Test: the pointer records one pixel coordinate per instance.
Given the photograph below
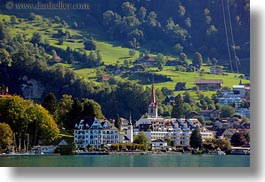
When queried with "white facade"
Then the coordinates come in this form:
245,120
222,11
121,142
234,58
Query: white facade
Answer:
130,133
244,112
206,134
178,130
157,128
230,99
95,133
239,90
159,144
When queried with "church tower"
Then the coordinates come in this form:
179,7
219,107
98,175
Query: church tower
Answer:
153,107
130,130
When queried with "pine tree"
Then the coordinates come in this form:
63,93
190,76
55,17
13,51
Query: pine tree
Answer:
74,114
177,110
118,122
50,103
196,138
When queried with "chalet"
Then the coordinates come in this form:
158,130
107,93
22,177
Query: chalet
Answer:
216,70
105,78
173,63
158,144
148,61
225,123
58,59
221,124
225,133
209,84
209,114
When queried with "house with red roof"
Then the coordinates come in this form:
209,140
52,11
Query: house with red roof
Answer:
148,61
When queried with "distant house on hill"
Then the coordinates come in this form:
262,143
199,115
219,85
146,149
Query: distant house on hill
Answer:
209,114
216,70
209,84
58,59
105,78
149,61
225,133
225,123
137,68
173,63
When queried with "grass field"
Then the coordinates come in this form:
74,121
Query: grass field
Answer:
112,53
229,79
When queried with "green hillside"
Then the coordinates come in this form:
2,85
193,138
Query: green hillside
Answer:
111,52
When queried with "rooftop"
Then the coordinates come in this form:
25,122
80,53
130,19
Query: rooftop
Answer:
208,81
238,86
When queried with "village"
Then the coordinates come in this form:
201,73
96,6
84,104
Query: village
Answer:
158,130
163,134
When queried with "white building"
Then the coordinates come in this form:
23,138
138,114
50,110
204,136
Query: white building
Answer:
95,133
229,98
244,112
158,128
239,90
159,144
206,134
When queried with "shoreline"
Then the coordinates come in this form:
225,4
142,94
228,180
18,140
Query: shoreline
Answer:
120,153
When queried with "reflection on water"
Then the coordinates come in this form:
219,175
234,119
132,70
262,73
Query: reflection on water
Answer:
127,161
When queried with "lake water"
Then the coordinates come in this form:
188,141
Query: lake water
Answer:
155,160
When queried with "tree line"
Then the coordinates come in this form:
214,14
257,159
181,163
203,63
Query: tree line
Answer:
20,117
185,26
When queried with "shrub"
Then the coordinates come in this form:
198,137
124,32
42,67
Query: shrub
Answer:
90,45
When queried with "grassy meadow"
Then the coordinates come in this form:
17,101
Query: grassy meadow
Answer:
112,53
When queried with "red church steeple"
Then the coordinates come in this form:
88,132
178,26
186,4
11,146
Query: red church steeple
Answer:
153,96
153,108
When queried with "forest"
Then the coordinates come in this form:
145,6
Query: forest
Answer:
179,25
186,30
